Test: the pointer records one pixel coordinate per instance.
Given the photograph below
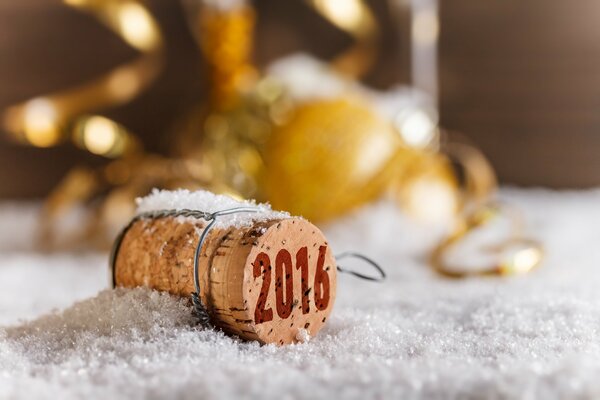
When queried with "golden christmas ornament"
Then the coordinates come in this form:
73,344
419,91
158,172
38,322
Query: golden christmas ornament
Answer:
427,187
319,152
228,134
331,156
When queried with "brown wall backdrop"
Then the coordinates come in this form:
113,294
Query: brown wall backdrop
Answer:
522,79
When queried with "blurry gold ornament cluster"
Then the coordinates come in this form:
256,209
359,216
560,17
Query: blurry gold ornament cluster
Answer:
317,157
53,118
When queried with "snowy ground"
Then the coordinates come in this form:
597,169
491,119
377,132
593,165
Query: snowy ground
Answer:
415,336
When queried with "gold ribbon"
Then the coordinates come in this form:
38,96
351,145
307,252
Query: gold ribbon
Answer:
515,255
356,19
52,118
478,183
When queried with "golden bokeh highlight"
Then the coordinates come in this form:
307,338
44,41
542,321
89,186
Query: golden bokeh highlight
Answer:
137,26
351,15
522,259
417,127
41,123
102,136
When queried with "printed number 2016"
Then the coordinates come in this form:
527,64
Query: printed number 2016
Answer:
284,279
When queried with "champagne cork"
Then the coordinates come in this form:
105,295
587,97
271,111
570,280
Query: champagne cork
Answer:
270,279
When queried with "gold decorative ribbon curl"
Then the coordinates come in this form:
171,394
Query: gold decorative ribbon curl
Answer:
477,178
525,253
50,119
355,18
479,183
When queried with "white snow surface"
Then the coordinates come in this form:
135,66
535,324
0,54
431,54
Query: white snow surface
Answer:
417,335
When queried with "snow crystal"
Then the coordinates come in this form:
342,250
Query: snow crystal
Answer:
203,200
302,336
417,335
306,77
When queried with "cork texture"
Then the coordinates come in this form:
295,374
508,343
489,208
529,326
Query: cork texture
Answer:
273,281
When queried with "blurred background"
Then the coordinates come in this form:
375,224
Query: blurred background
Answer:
518,78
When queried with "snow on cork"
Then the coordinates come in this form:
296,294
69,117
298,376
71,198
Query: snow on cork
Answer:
203,200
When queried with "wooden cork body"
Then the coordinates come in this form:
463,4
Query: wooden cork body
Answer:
273,281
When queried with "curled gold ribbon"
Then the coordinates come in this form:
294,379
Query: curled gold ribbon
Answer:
50,119
478,182
356,19
476,175
524,254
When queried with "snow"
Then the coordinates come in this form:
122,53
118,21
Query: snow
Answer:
306,78
417,335
202,200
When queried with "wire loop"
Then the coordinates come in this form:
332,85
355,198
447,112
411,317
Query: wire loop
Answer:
366,259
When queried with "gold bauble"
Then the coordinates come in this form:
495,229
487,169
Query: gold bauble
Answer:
427,187
330,156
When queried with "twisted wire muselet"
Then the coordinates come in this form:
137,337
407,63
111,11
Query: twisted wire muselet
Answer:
199,308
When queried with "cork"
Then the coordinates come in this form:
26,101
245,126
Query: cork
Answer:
273,281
